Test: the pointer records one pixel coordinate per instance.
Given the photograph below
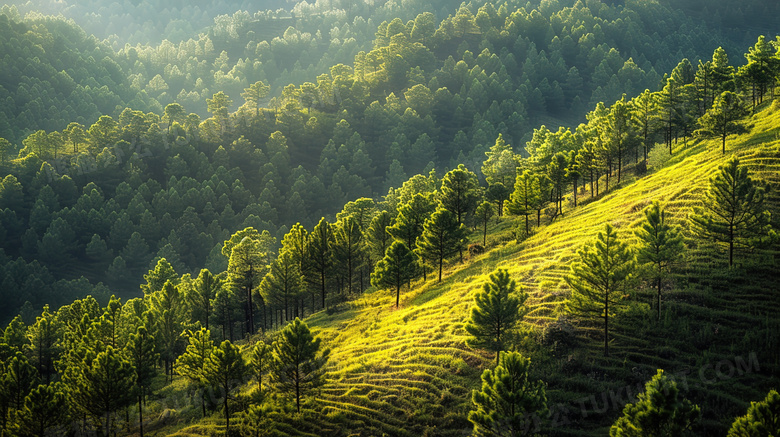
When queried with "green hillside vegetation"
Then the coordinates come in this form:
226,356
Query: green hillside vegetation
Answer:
116,195
408,371
294,280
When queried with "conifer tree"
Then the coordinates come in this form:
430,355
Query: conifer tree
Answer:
643,109
500,165
247,263
733,209
260,362
296,243
498,193
17,381
226,369
660,244
660,411
299,364
320,253
398,266
597,278
377,236
411,218
497,311
44,342
45,411
201,294
103,386
724,118
348,248
143,356
443,236
459,192
524,197
193,363
508,404
168,311
762,418
158,276
483,214
283,282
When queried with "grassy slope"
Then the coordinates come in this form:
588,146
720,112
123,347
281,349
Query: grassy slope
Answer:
407,372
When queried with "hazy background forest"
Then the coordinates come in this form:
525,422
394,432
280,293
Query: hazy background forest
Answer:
175,188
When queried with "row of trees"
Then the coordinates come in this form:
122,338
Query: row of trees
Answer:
80,367
707,101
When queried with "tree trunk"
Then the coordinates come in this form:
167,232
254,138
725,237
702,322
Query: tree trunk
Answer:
298,396
397,294
606,323
141,414
658,284
322,284
227,414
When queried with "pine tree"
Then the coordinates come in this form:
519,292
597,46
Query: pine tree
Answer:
411,218
508,404
168,312
762,418
283,283
459,192
201,294
348,249
158,276
103,386
299,364
497,311
659,411
724,118
193,363
524,197
498,193
143,356
483,214
320,254
443,236
226,369
260,362
17,381
377,236
398,266
643,109
597,278
247,265
660,244
733,209
44,345
45,411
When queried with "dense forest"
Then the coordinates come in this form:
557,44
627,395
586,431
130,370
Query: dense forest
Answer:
255,169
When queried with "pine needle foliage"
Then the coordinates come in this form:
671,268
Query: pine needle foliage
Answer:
660,411
598,276
660,244
733,209
299,364
762,418
508,404
497,311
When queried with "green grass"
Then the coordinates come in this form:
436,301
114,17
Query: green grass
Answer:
408,372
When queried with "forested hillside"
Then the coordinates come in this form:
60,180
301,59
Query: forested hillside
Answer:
171,183
169,212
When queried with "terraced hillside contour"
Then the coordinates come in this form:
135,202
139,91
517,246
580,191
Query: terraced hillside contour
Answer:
408,372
